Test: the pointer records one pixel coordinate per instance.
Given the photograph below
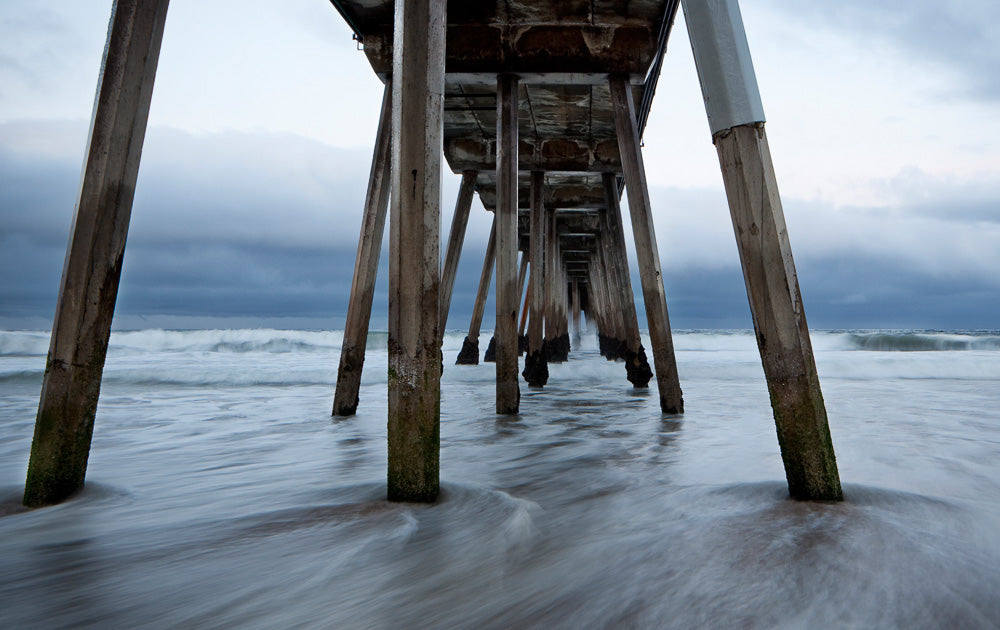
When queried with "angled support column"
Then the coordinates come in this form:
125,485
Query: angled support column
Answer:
490,356
524,311
636,365
671,399
736,118
536,368
414,260
459,222
469,355
575,308
522,275
507,300
89,288
359,308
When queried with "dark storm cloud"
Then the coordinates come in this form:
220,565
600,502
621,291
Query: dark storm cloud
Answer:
227,225
927,261
258,226
964,35
841,292
221,224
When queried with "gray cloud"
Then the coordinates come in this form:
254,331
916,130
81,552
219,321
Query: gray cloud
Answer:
963,35
232,225
262,228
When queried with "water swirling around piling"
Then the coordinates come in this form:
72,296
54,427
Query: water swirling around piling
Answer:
211,502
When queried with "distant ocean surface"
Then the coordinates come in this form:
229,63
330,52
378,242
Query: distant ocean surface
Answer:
221,494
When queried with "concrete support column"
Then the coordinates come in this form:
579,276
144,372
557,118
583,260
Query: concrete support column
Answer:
536,369
507,300
89,287
359,308
736,118
636,365
671,399
459,222
414,264
469,355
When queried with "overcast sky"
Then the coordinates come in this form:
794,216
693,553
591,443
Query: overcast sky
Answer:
883,120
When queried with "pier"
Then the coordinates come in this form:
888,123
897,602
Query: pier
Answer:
540,106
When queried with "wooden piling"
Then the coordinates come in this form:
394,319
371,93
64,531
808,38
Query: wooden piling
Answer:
595,300
507,300
359,307
736,119
636,365
522,274
563,304
613,334
92,268
469,355
414,266
524,312
552,287
459,222
575,308
778,314
536,369
563,310
671,398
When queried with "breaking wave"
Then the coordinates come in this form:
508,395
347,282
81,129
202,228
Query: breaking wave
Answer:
923,341
272,341
19,343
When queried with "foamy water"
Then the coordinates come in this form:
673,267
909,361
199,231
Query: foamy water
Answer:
221,493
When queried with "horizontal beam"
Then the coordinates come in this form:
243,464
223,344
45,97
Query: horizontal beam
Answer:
487,49
556,198
554,77
556,155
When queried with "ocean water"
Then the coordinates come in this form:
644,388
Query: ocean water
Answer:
221,494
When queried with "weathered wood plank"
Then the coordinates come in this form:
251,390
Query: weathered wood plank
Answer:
359,307
92,268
